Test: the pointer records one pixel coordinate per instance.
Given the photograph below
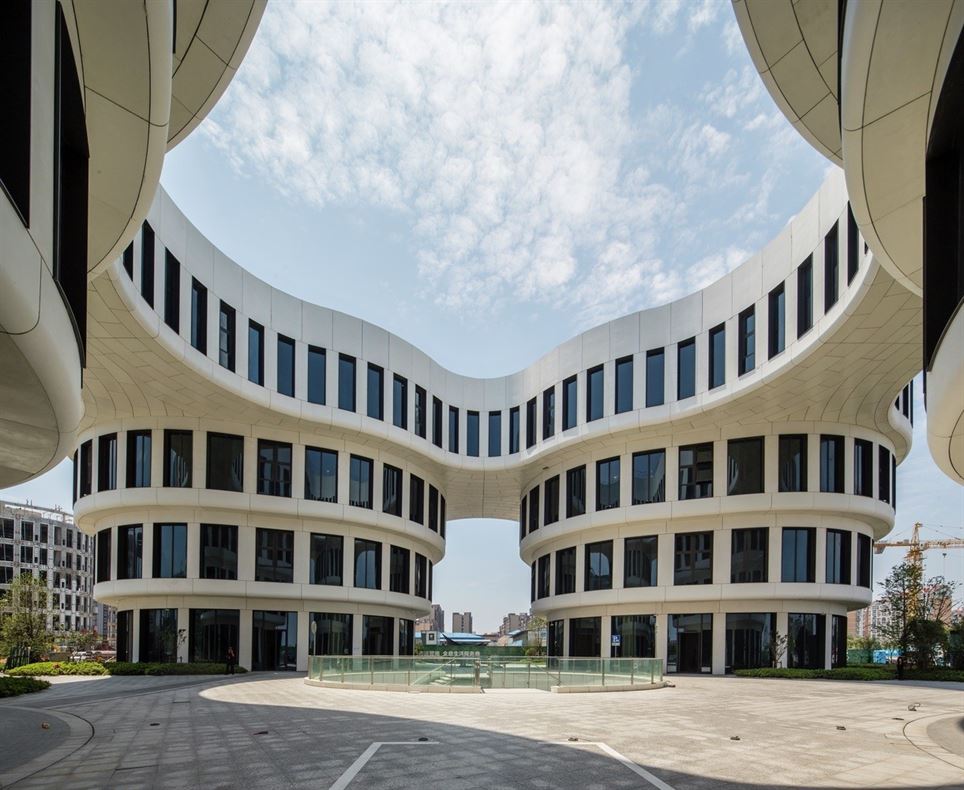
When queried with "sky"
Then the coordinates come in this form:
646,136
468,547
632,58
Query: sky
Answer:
488,180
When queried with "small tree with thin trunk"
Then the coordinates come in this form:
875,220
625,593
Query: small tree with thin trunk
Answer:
27,604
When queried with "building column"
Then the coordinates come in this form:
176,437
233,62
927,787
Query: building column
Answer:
356,634
782,629
660,637
606,631
245,634
183,634
304,641
719,643
135,635
827,642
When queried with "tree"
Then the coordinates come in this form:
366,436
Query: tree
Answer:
777,647
928,641
27,603
900,598
918,613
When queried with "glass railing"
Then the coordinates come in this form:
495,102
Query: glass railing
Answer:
488,672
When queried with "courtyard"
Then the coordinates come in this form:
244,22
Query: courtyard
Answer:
271,730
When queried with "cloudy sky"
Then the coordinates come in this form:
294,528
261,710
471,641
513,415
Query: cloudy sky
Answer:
487,180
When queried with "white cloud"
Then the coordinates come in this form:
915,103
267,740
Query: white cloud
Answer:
703,13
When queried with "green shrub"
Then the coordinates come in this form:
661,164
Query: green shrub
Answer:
146,668
57,668
11,687
862,672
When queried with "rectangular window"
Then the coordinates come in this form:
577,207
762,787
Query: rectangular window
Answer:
219,551
103,555
421,411
147,264
170,551
832,464
585,637
607,484
569,403
853,259
863,467
693,558
130,551
531,423
594,393
125,635
551,507
548,412
749,555
286,366
436,421
542,576
327,559
421,576
565,571
806,634
399,560
495,434
640,562
696,471
400,402
391,490
472,434
317,374
15,80
107,462
799,554
406,637
624,385
777,316
178,458
226,336
158,637
256,353
321,475
129,260
599,566
686,369
749,639
274,560
453,429
360,481
805,296
86,467
838,556
744,466
514,430
172,291
576,491
346,382
655,377
649,477
334,634
433,508
534,509
368,564
138,459
831,274
864,560
746,337
792,471
883,474
376,392
199,316
274,468
717,347
416,499
211,632
522,519
225,462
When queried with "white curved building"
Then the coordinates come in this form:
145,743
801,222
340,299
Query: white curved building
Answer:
690,480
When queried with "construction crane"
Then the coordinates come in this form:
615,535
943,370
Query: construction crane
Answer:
916,546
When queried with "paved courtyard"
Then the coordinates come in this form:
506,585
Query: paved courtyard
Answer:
272,731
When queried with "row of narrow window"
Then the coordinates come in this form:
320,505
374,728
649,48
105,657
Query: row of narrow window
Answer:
744,475
693,561
225,472
274,558
595,389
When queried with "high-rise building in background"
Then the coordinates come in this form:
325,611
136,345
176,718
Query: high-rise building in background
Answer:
462,622
514,622
435,621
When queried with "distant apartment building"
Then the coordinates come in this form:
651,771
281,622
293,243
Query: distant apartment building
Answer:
46,544
431,622
514,622
462,622
105,621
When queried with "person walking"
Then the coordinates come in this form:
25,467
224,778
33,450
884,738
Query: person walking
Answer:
231,661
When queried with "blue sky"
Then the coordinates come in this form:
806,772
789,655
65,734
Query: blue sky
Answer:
487,180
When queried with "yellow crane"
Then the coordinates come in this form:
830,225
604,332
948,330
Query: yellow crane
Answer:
916,547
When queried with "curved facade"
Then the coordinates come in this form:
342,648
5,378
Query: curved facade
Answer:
721,463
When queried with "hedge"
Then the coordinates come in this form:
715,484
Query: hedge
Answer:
12,687
57,668
882,672
146,668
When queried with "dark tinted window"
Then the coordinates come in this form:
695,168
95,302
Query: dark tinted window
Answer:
436,422
86,467
400,402
534,509
565,571
286,366
170,551
103,555
416,499
717,347
686,369
696,471
514,430
530,423
749,557
805,296
548,412
838,556
863,467
225,462
334,634
569,403
199,316
433,508
178,458
640,562
172,291
421,411
317,375
607,484
655,377
792,471
746,345
864,560
453,429
744,466
274,468
346,382
226,336
624,385
799,554
321,474
376,392
693,558
368,564
274,559
832,464
883,475
853,259
777,329
495,434
130,548
391,490
649,477
551,507
107,462
576,491
422,577
147,264
594,393
219,551
15,79
255,352
542,576
599,565
472,434
399,560
831,273
360,480
138,459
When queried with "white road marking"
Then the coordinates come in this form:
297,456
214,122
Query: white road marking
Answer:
655,781
345,779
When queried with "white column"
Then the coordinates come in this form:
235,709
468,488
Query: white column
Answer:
183,632
782,630
606,631
662,632
719,643
245,634
304,641
356,634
